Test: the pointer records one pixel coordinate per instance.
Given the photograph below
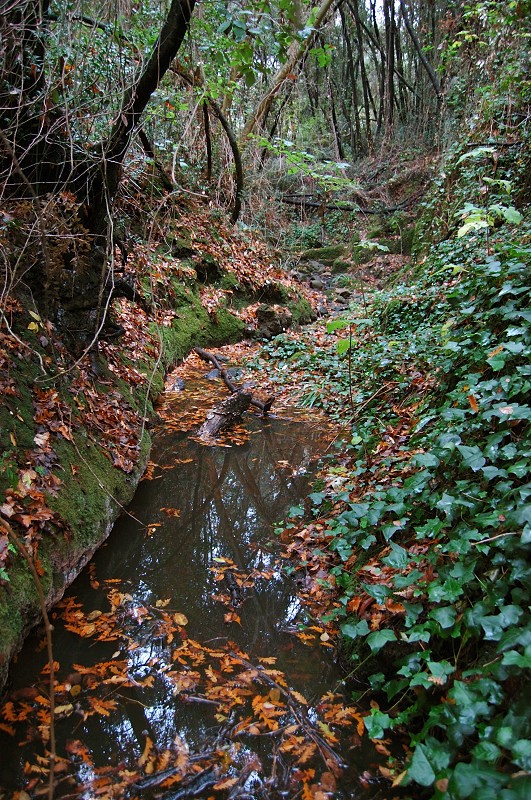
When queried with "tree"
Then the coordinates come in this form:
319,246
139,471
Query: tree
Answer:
41,159
285,72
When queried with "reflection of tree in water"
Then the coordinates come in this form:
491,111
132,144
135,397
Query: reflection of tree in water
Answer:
229,499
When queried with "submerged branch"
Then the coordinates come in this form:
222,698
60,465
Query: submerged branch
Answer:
206,356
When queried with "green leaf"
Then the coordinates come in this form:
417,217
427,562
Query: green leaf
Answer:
342,346
472,456
521,751
512,658
508,213
317,498
378,639
296,511
472,225
420,769
353,630
377,723
425,460
337,325
477,152
445,616
378,591
487,751
397,558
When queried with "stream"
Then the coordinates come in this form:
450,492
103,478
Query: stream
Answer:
187,666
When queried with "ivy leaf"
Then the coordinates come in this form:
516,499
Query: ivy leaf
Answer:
352,631
317,498
378,639
472,456
296,511
378,591
425,460
512,658
420,769
445,616
397,558
377,723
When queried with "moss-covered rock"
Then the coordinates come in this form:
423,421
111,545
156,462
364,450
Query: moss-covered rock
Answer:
362,254
341,266
325,255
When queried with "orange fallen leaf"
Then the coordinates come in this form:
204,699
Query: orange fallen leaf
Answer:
473,403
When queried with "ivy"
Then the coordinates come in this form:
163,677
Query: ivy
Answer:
438,527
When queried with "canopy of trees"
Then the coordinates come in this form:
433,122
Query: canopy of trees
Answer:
84,83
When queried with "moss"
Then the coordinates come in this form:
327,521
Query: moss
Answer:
230,282
408,240
92,493
181,246
301,311
340,266
376,230
326,255
207,268
194,326
273,293
362,255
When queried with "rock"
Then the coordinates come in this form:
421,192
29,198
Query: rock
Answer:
343,293
177,386
317,283
316,266
272,321
325,255
340,266
207,269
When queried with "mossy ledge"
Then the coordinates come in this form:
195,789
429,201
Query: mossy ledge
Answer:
92,491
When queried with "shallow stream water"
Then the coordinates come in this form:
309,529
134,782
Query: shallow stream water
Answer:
180,646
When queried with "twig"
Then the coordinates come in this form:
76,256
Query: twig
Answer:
304,723
498,536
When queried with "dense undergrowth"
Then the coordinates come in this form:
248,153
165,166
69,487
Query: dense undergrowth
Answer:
423,518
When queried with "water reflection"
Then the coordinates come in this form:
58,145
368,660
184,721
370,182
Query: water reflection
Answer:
202,508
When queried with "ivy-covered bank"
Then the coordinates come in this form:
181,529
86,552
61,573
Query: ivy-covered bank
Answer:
422,518
74,431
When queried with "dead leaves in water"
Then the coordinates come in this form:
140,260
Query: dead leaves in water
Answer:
244,697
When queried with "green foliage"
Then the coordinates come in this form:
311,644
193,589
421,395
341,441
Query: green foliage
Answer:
450,529
327,176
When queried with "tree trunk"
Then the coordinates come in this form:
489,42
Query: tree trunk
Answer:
418,48
225,415
104,181
354,7
233,144
355,141
93,288
295,53
25,120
